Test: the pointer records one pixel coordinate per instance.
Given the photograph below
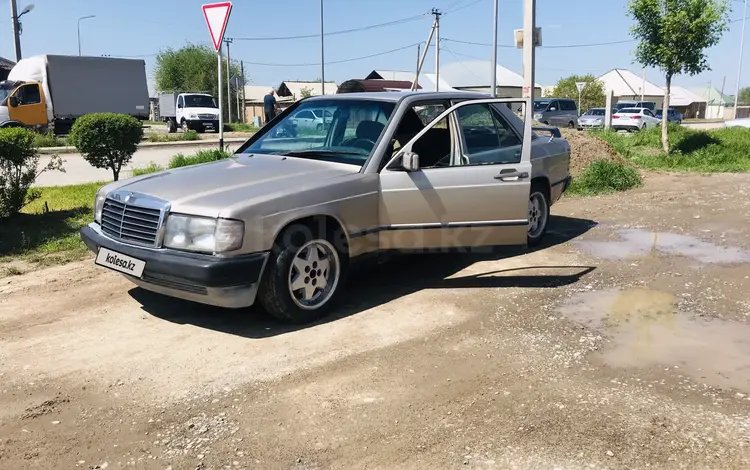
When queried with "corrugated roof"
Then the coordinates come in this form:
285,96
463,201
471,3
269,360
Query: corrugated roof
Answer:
625,83
478,73
6,64
374,85
426,80
292,88
680,96
712,96
255,93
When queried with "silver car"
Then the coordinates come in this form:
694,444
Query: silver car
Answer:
592,119
283,219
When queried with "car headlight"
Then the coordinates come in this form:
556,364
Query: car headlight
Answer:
99,204
537,116
203,234
193,116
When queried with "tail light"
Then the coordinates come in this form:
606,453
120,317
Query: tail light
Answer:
615,117
635,117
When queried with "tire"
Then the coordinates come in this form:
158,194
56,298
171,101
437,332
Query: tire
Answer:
171,126
538,213
571,125
293,263
185,126
643,127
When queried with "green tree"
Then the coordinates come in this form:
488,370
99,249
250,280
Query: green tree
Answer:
673,36
107,140
193,68
744,97
306,92
592,95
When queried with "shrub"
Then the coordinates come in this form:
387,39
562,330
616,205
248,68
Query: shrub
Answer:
606,176
107,140
150,168
189,135
19,169
202,156
49,140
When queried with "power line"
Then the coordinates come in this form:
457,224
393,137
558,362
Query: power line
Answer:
557,46
341,61
458,8
334,33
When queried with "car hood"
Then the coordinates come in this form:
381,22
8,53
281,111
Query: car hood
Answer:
242,180
202,110
590,118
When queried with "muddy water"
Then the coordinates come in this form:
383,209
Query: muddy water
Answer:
646,329
638,242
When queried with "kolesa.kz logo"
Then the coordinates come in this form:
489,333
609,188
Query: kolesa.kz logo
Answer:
115,261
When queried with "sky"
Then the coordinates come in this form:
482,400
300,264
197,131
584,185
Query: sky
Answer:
140,29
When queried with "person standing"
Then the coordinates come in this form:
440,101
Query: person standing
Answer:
269,106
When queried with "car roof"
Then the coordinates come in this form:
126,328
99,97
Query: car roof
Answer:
396,96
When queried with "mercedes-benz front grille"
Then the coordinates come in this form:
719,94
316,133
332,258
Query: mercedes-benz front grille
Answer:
131,222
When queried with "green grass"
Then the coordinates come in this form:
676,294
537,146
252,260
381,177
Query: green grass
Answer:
46,231
184,136
240,127
692,150
150,168
605,177
201,156
49,140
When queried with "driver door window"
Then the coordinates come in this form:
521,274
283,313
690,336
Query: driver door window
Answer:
29,94
487,137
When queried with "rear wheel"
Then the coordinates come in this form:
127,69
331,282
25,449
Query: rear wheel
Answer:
538,213
171,126
643,127
571,125
304,275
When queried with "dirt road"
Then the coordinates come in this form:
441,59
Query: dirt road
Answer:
621,344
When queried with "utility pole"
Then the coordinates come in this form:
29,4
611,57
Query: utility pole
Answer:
16,28
493,87
228,41
322,55
739,66
529,63
415,85
242,73
436,13
643,86
416,77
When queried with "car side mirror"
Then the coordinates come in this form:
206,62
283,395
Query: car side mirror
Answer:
179,105
13,101
410,161
553,108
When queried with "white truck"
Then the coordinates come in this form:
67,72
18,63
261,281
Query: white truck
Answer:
196,111
49,92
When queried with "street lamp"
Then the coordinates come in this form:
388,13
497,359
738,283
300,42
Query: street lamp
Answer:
14,16
739,66
79,30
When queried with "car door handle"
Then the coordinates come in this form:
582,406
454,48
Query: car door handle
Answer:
511,175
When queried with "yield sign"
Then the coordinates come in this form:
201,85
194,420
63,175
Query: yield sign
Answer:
580,86
217,16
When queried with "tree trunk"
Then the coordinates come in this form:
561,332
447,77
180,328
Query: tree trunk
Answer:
665,113
116,173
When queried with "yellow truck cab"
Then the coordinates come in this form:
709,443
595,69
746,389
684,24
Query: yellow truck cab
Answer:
52,91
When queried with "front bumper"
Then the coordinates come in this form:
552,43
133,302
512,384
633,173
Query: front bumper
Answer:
590,125
223,282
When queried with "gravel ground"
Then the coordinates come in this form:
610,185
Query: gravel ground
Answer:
620,344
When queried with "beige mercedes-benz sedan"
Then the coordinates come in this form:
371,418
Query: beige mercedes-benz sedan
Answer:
284,217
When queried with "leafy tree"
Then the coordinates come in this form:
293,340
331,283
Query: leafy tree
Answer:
744,97
193,68
19,169
592,95
673,36
107,140
306,92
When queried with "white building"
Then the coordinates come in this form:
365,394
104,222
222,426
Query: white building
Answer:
426,80
295,89
477,76
628,86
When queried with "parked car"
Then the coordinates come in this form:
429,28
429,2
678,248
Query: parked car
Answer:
592,119
560,112
672,115
650,105
283,219
741,122
634,119
311,119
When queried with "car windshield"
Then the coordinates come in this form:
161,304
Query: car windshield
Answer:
200,101
630,111
619,106
595,112
541,105
348,137
659,112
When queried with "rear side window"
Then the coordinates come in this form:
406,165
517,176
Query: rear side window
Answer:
568,105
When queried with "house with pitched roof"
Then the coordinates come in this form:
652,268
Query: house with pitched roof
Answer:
628,86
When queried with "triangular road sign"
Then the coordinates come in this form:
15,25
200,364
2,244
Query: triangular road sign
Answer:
217,16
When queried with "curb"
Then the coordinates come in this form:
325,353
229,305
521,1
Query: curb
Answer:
181,143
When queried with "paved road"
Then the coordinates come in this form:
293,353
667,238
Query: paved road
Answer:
78,170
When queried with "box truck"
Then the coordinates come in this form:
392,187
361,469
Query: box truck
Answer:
49,92
196,111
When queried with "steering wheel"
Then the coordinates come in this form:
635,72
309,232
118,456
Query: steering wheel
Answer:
364,144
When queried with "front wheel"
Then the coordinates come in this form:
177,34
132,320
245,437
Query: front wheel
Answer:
185,126
538,214
304,275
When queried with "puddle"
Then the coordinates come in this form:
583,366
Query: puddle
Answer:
638,242
647,330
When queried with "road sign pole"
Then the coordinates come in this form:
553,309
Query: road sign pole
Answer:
221,101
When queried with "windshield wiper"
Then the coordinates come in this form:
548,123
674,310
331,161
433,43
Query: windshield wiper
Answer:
311,152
